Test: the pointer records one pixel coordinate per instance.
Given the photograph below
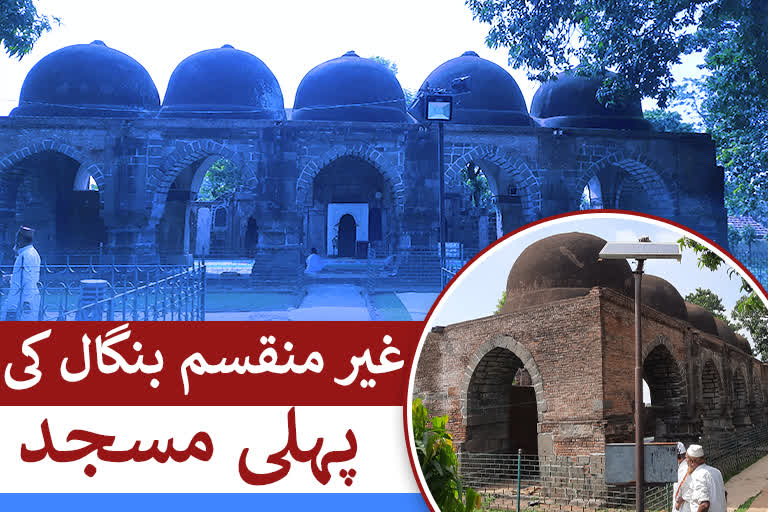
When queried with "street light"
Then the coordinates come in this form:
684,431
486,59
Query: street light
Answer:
641,250
439,108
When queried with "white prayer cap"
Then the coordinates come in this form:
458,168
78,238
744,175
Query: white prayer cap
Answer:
695,450
680,448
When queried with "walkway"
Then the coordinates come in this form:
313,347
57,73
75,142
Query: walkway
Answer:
748,483
338,302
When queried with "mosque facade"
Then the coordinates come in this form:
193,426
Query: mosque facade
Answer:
95,161
551,373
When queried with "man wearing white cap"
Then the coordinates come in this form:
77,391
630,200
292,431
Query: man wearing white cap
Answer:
705,491
23,294
682,480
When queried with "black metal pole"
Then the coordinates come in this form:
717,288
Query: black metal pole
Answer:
441,197
639,449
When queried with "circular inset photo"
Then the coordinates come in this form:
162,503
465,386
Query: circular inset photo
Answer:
528,378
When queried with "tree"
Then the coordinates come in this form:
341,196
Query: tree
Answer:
668,121
753,316
21,26
410,94
712,302
638,39
477,183
749,312
500,303
438,462
641,40
220,181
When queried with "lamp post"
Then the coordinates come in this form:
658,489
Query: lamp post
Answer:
439,108
641,250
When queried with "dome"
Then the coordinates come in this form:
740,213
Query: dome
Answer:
87,80
725,332
350,88
223,82
563,266
493,96
662,296
743,344
569,102
701,319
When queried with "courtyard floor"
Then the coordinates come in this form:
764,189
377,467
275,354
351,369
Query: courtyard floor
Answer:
748,483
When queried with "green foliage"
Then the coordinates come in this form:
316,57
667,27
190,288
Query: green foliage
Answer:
639,39
477,183
750,314
410,94
667,121
500,304
220,181
21,26
712,302
438,462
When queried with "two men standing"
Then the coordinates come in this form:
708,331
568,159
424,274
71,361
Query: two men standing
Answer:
23,294
701,488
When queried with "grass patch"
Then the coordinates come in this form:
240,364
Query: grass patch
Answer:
389,307
243,301
745,506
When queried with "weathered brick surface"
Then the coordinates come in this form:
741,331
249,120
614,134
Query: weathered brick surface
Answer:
580,357
532,173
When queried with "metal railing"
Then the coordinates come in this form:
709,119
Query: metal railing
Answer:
732,452
551,483
61,285
180,296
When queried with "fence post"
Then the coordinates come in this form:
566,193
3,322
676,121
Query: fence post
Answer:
519,454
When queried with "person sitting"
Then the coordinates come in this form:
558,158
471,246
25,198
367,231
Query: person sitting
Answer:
315,262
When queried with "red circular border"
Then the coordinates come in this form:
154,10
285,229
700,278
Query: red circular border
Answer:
407,402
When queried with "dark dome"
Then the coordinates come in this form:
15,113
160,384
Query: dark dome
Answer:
743,344
701,319
350,88
725,332
223,82
87,80
493,97
569,102
662,296
563,266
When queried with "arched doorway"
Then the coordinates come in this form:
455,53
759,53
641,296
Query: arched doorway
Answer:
501,406
711,392
347,236
251,235
667,389
350,186
740,400
47,192
195,217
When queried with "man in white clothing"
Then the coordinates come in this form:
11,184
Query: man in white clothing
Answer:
682,479
23,294
314,262
705,491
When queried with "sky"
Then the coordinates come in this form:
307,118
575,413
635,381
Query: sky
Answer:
290,36
478,289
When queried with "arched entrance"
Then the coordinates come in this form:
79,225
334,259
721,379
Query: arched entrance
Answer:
740,400
501,410
251,235
353,189
347,236
711,392
195,216
668,396
47,191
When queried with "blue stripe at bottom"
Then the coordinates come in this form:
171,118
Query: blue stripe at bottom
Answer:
80,502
